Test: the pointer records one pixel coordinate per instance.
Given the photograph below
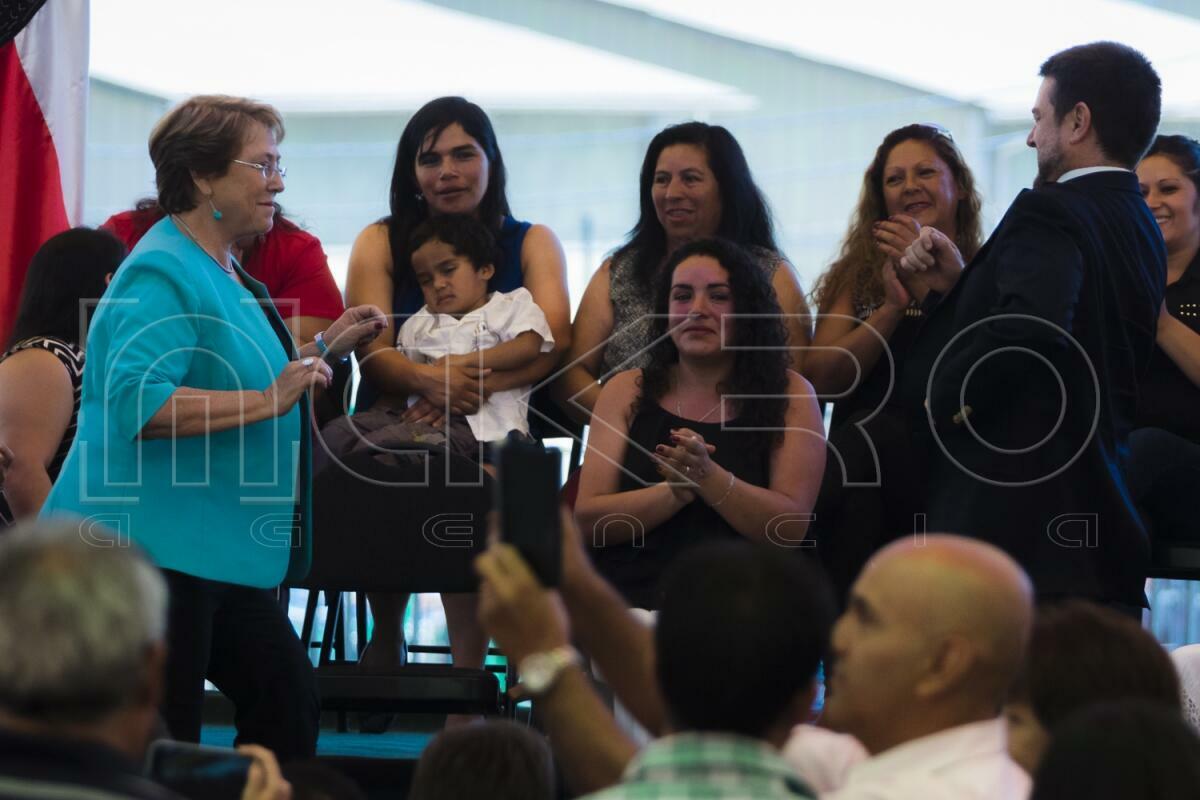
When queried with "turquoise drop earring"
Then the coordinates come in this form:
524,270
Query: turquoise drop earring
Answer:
216,214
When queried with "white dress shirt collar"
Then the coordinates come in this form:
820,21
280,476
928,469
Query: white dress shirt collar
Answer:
1079,173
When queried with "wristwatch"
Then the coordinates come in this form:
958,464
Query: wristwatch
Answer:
539,671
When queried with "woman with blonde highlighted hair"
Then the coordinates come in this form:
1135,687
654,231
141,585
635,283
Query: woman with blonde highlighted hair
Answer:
918,177
870,313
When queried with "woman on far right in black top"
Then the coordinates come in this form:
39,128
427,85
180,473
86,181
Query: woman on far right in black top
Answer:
1164,464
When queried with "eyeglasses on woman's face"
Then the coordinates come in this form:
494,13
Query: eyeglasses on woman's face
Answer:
267,170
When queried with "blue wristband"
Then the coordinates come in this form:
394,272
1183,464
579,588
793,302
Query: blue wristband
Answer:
324,350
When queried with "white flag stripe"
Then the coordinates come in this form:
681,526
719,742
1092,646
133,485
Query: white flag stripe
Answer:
53,49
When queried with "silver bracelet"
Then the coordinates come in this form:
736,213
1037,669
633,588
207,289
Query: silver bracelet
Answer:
728,489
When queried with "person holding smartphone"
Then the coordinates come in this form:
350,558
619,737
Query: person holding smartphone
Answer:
79,699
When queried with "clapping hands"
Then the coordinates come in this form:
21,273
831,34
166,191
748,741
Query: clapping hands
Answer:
685,462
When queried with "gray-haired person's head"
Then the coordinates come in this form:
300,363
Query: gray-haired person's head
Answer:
79,614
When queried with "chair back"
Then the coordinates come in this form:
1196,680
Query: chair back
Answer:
408,524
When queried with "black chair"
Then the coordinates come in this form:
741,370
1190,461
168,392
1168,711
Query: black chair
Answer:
1175,559
355,549
548,421
397,524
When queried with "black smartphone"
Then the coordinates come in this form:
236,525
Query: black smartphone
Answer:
527,499
197,771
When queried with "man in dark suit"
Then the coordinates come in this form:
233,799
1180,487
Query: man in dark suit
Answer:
1025,373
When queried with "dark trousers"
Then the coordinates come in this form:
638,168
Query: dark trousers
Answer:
1164,479
239,638
853,522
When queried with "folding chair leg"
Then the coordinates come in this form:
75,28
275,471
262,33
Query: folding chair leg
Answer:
310,617
339,632
360,617
334,610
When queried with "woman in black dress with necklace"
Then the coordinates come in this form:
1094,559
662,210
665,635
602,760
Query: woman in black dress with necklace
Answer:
714,438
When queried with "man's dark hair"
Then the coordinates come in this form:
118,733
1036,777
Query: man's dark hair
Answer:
495,760
1120,750
741,630
1120,87
467,236
1080,654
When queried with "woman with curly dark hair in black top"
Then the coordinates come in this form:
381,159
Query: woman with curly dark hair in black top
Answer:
715,438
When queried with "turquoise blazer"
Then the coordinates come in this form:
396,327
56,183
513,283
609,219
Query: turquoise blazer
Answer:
230,506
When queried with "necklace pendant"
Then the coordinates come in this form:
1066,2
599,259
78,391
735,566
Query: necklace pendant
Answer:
188,232
702,418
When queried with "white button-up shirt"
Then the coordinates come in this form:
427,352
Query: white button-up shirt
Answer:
427,336
969,762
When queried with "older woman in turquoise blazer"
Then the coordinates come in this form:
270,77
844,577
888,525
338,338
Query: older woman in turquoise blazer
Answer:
193,436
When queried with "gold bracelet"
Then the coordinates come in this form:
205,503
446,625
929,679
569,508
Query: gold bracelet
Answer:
728,489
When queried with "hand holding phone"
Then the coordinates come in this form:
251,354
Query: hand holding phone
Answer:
198,771
527,500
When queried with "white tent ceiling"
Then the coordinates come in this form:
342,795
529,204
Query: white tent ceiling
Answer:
375,55
978,51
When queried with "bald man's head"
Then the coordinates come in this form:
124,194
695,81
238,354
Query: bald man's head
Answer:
966,588
934,633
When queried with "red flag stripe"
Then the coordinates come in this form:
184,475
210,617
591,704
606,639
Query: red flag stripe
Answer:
43,116
31,199
53,49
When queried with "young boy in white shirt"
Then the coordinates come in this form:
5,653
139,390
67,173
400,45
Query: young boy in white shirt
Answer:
462,322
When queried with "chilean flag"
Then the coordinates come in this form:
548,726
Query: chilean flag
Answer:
43,116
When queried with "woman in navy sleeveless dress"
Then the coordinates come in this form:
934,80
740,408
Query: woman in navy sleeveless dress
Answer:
447,162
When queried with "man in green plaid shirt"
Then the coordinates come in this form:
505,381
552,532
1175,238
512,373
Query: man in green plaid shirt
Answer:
707,765
740,633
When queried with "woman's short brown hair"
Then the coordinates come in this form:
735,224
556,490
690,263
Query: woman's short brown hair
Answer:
202,136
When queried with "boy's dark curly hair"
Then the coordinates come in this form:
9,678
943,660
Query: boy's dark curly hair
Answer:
467,236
